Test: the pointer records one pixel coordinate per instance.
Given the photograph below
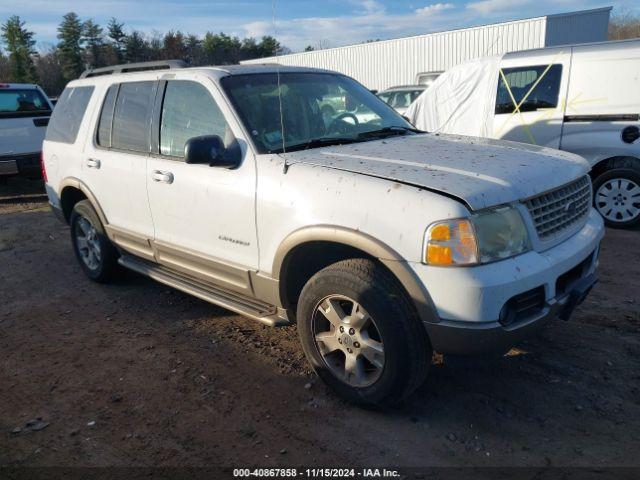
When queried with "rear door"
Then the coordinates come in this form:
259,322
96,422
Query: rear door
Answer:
204,216
531,97
115,163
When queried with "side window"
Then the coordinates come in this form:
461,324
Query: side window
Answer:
68,114
531,87
189,111
131,117
106,117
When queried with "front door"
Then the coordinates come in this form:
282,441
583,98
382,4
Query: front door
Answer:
530,100
204,216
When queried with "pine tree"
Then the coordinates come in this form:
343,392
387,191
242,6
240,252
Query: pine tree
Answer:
136,48
94,40
19,44
70,46
115,31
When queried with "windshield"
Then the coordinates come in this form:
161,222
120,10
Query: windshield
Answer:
317,109
23,102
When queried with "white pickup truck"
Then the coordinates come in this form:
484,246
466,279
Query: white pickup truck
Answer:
381,243
24,115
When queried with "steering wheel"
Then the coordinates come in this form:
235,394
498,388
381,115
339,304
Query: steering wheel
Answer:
335,127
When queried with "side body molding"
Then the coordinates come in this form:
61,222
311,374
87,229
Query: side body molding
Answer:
366,243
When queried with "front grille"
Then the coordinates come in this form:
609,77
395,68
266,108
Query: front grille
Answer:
555,212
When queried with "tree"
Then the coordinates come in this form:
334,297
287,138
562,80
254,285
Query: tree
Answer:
268,47
5,70
49,69
193,50
136,48
173,46
624,25
309,48
115,32
94,41
221,49
70,34
19,43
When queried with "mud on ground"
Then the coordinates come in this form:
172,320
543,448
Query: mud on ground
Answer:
137,374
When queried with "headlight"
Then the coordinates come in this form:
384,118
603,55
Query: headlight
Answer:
501,234
452,242
484,237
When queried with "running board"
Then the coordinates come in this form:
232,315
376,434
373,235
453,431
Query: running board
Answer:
234,301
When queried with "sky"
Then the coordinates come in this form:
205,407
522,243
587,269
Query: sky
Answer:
296,23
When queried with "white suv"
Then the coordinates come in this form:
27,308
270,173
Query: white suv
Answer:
24,115
380,242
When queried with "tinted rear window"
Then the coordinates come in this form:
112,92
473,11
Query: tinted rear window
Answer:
132,114
23,103
68,114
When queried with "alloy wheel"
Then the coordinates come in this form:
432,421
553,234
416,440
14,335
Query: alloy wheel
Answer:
348,341
88,243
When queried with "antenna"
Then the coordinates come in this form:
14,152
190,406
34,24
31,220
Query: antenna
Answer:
285,166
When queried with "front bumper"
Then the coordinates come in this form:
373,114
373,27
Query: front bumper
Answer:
467,338
470,303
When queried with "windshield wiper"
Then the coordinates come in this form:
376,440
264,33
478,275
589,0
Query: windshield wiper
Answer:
388,131
316,143
361,137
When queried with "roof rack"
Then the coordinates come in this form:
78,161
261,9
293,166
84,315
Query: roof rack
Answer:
134,67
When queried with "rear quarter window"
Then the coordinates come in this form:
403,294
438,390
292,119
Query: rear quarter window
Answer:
68,114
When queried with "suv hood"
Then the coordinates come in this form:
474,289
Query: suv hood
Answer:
481,172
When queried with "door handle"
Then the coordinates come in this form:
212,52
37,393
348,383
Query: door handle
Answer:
93,163
162,177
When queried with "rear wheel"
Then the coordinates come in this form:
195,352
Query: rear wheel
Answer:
361,334
617,197
95,252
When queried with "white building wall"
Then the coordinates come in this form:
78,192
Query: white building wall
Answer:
384,64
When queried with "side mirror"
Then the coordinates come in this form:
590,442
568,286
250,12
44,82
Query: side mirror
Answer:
209,149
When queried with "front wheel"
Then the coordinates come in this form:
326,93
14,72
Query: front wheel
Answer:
361,334
617,197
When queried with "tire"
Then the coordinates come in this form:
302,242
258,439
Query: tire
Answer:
389,320
95,252
616,196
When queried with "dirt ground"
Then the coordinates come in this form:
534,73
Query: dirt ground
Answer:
138,374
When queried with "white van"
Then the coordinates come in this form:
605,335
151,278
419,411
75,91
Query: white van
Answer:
583,98
24,116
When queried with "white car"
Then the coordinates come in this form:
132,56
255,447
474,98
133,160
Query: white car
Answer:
400,98
381,243
583,99
24,115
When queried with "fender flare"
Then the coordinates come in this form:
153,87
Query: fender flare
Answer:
391,259
80,185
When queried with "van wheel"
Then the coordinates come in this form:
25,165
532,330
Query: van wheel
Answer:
95,252
617,197
361,334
